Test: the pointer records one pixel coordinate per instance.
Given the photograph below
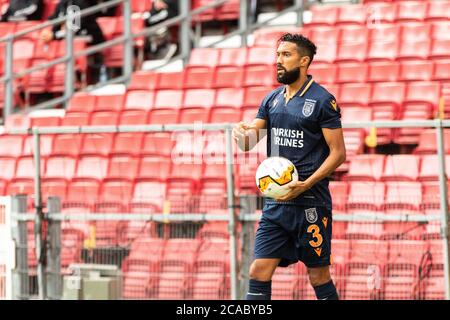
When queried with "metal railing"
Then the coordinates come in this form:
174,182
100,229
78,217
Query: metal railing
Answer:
438,124
127,39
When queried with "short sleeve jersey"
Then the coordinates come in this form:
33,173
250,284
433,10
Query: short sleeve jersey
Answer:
294,131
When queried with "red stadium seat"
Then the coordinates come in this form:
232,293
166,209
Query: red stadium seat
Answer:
365,196
97,143
352,72
229,97
54,188
171,80
117,191
7,168
139,100
440,49
128,143
204,57
324,15
369,251
228,77
387,33
168,99
428,144
414,50
382,51
440,31
164,116
20,186
186,170
67,144
133,117
104,118
268,37
416,70
424,92
388,93
62,167
199,78
84,191
154,167
353,14
11,145
261,56
260,75
414,32
368,167
225,115
325,34
437,11
235,57
327,53
199,98
364,230
144,80
355,94
255,95
352,52
109,102
380,12
75,118
441,70
411,11
401,167
194,114
341,250
91,166
25,167
82,101
339,193
123,166
149,192
323,72
406,251
160,143
383,71
404,197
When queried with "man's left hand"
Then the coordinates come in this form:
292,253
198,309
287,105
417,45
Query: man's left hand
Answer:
296,189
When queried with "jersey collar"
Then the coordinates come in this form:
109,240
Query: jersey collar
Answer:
309,81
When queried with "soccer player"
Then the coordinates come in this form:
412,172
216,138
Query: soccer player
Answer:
302,121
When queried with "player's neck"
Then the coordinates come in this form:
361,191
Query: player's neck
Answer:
293,88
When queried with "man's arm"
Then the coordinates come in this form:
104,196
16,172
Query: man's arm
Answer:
247,135
335,141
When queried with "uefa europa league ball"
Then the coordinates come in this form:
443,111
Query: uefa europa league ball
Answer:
273,174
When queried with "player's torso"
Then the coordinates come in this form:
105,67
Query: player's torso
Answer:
294,132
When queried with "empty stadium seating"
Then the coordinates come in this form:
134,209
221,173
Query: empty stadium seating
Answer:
397,70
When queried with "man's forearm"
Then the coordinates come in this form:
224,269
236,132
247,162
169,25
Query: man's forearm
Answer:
334,160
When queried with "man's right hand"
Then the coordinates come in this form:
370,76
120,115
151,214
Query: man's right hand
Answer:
241,132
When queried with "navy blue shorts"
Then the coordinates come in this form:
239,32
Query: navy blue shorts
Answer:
295,233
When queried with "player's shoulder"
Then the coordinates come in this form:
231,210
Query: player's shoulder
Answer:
272,94
321,93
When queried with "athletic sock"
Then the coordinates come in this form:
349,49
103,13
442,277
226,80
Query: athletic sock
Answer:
259,290
326,291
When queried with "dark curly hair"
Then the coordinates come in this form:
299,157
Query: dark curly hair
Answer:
304,46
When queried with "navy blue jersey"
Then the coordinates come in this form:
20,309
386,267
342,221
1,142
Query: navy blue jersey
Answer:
294,131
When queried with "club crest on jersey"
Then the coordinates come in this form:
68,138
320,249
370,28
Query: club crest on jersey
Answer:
311,215
308,107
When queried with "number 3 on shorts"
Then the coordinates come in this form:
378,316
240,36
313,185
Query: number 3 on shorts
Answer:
314,229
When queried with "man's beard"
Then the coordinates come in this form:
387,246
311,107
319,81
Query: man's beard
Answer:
288,77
